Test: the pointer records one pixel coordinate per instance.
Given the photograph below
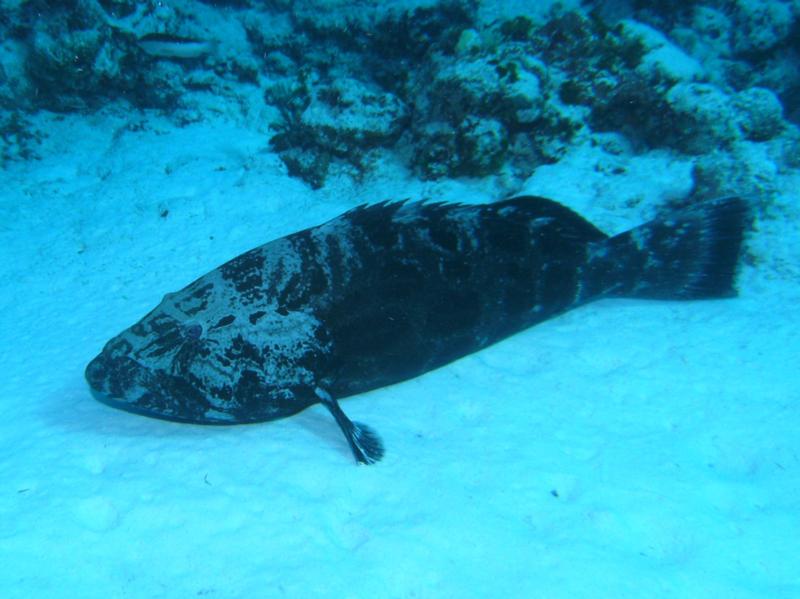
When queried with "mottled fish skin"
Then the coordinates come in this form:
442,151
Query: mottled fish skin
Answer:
389,291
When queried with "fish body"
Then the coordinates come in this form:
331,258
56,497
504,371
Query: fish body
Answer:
386,292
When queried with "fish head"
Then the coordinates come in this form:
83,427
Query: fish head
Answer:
201,356
159,366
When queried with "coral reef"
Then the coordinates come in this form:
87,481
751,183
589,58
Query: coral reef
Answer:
441,87
743,44
343,118
83,54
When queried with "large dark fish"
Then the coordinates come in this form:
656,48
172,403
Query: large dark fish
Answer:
386,292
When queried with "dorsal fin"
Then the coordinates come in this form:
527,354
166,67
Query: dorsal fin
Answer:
529,208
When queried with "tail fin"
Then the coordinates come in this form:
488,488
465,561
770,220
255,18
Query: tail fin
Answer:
691,254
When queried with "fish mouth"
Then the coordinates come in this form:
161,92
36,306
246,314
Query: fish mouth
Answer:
98,376
109,379
95,375
124,384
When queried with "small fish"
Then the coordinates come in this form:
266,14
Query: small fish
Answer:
165,45
386,292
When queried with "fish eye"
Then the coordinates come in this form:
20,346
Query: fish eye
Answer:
193,331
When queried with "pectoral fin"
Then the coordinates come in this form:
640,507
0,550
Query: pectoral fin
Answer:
365,443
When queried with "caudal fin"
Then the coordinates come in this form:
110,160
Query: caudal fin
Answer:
690,254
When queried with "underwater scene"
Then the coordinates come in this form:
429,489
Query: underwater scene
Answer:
407,299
